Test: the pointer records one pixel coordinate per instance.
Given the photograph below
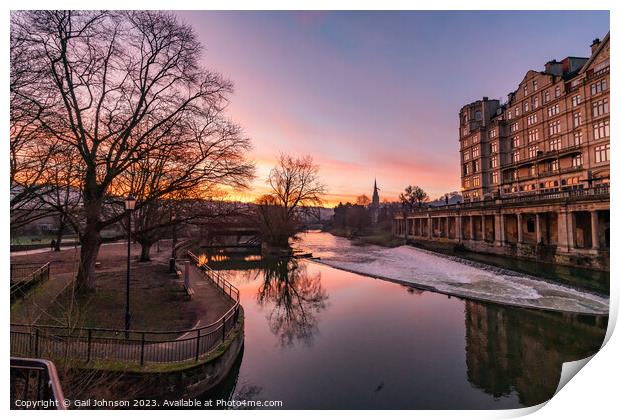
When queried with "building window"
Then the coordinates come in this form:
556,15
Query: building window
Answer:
474,166
466,183
535,85
601,129
577,138
554,127
475,151
553,110
577,160
598,87
509,114
557,92
517,111
576,119
466,155
465,169
514,142
532,135
532,170
516,156
495,177
531,223
600,108
493,161
535,102
514,127
476,181
493,132
553,165
478,115
526,106
576,100
555,144
532,119
525,90
601,153
494,147
546,96
531,151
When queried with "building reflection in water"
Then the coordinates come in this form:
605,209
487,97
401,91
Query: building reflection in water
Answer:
517,350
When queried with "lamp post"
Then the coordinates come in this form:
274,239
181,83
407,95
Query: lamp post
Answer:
130,205
172,264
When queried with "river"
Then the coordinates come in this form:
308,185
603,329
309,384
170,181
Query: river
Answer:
319,337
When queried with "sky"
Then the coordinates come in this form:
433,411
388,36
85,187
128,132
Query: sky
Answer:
376,94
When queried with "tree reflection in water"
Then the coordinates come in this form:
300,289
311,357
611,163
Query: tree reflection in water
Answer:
296,296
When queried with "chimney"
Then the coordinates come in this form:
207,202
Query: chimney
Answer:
594,45
553,67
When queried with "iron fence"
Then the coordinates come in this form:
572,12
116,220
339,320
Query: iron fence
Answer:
25,276
216,277
133,346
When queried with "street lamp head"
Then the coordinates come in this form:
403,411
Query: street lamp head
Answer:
130,202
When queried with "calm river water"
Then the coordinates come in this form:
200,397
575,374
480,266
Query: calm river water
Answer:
318,337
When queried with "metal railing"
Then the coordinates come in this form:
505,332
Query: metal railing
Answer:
133,346
35,385
220,281
25,276
559,193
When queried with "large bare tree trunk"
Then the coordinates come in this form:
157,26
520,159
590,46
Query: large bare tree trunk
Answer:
145,251
59,233
90,241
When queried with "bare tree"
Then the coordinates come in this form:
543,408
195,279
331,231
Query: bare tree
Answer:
121,88
413,196
295,190
29,147
362,200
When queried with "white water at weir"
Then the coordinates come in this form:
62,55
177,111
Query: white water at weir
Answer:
450,275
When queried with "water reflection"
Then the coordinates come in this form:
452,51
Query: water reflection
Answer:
294,298
515,350
385,345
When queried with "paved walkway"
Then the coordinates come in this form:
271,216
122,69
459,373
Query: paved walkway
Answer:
207,296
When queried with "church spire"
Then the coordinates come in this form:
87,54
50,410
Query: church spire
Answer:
375,194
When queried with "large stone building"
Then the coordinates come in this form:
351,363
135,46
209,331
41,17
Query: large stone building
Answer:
534,170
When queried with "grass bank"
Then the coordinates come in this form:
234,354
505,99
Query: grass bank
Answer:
369,236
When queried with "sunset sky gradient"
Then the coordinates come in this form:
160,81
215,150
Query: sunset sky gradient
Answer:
376,94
